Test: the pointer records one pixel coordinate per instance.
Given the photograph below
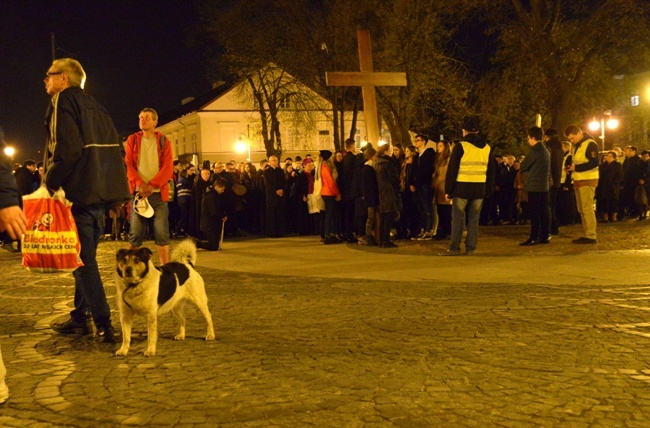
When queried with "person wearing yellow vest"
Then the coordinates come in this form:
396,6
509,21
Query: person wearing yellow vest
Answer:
584,169
469,179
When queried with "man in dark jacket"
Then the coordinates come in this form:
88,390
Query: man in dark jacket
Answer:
537,164
275,182
347,188
84,156
421,185
12,222
26,178
469,179
554,147
633,175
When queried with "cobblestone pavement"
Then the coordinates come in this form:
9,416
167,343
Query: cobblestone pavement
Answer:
330,344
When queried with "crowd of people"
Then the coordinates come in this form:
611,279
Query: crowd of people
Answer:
427,190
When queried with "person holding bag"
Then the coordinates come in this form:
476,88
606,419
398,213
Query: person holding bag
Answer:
84,156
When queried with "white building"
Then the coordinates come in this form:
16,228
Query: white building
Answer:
212,125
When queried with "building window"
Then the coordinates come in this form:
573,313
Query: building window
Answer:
634,100
285,102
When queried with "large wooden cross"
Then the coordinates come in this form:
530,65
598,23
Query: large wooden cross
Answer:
368,80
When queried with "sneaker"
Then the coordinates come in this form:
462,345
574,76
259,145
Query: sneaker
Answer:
584,241
418,237
450,253
425,236
106,333
72,327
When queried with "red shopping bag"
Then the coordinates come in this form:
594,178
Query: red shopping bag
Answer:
51,242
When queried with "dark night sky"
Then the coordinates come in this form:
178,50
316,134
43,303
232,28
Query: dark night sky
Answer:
134,53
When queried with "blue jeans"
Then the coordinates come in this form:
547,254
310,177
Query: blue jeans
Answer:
89,289
332,216
160,223
462,209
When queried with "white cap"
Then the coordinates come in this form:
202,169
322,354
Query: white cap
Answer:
142,207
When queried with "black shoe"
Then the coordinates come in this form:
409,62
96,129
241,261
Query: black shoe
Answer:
72,327
545,241
584,241
106,333
529,242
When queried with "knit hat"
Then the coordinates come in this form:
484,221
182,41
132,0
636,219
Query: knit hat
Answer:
307,161
325,154
470,124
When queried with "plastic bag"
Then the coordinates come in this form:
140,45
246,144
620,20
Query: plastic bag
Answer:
51,242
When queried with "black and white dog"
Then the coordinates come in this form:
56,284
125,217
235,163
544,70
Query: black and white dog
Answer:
143,289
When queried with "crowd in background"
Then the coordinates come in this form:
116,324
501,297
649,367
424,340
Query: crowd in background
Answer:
401,188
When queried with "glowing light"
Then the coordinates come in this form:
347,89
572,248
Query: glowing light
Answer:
381,143
10,151
241,147
594,125
612,123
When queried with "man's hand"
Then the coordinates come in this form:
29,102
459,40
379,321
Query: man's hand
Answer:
145,190
279,192
13,221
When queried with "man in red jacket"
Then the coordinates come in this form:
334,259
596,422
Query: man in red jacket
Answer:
149,166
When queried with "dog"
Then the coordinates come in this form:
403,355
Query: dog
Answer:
143,289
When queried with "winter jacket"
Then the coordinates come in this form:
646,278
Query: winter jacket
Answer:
390,200
369,185
423,169
275,180
538,165
330,188
469,190
84,154
557,160
8,191
165,164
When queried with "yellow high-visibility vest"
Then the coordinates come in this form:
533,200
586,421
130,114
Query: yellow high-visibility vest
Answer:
473,164
580,157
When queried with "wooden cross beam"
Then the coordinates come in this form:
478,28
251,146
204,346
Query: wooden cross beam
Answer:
368,80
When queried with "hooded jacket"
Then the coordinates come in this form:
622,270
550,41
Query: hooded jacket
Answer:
469,190
423,171
84,154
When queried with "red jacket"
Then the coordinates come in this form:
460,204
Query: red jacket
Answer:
329,184
165,164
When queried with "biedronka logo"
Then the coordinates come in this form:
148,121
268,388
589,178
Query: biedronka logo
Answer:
37,241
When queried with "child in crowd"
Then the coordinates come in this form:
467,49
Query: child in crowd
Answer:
213,215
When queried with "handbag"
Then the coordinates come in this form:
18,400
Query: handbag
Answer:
640,195
51,242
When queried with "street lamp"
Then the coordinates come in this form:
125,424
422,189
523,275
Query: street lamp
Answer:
611,123
243,145
10,152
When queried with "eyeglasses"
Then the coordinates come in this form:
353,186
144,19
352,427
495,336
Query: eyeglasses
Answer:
52,73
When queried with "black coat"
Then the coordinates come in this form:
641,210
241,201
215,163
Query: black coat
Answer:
424,167
84,153
390,200
610,176
274,180
8,191
213,209
369,186
346,177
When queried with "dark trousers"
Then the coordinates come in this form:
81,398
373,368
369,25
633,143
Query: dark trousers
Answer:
553,197
214,238
332,216
89,289
540,215
275,217
347,218
444,219
385,224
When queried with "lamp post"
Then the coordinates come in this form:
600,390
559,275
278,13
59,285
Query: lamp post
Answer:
611,123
